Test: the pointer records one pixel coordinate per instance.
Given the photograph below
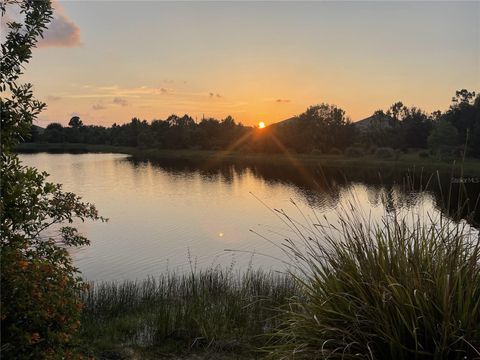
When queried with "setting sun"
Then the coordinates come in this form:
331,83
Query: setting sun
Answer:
261,125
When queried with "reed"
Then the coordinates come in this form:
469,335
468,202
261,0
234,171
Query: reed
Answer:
218,309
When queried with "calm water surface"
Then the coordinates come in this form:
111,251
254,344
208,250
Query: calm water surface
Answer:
180,216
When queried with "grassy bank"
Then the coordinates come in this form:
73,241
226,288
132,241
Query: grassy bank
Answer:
215,311
405,161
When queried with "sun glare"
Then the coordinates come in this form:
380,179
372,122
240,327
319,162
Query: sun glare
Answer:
261,125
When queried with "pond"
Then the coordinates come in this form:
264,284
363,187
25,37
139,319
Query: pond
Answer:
180,216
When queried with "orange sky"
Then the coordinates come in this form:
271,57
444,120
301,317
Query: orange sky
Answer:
255,61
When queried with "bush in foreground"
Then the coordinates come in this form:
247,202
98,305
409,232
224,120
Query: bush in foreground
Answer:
394,290
39,286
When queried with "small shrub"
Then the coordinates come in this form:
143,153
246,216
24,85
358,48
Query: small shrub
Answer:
423,154
41,303
353,151
385,153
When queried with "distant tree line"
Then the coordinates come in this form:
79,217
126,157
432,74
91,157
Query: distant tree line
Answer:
172,133
444,133
321,128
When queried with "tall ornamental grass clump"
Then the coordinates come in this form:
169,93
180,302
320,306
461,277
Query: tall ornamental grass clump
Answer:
404,288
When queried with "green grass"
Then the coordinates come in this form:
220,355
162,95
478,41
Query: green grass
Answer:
405,161
215,310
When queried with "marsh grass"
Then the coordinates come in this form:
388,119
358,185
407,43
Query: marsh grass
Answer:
219,310
406,286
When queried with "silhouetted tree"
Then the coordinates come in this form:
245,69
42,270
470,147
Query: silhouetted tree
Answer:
443,137
54,133
396,111
75,122
415,128
321,126
464,114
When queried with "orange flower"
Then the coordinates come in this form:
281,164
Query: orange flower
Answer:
23,264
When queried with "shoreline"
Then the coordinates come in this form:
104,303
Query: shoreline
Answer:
406,161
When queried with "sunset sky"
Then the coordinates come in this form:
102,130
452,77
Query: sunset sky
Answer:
109,61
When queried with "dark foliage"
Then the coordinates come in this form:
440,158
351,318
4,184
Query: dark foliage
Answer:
40,288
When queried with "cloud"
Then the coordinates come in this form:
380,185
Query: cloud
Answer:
215,95
282,100
117,91
120,101
53,98
172,81
62,31
98,106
